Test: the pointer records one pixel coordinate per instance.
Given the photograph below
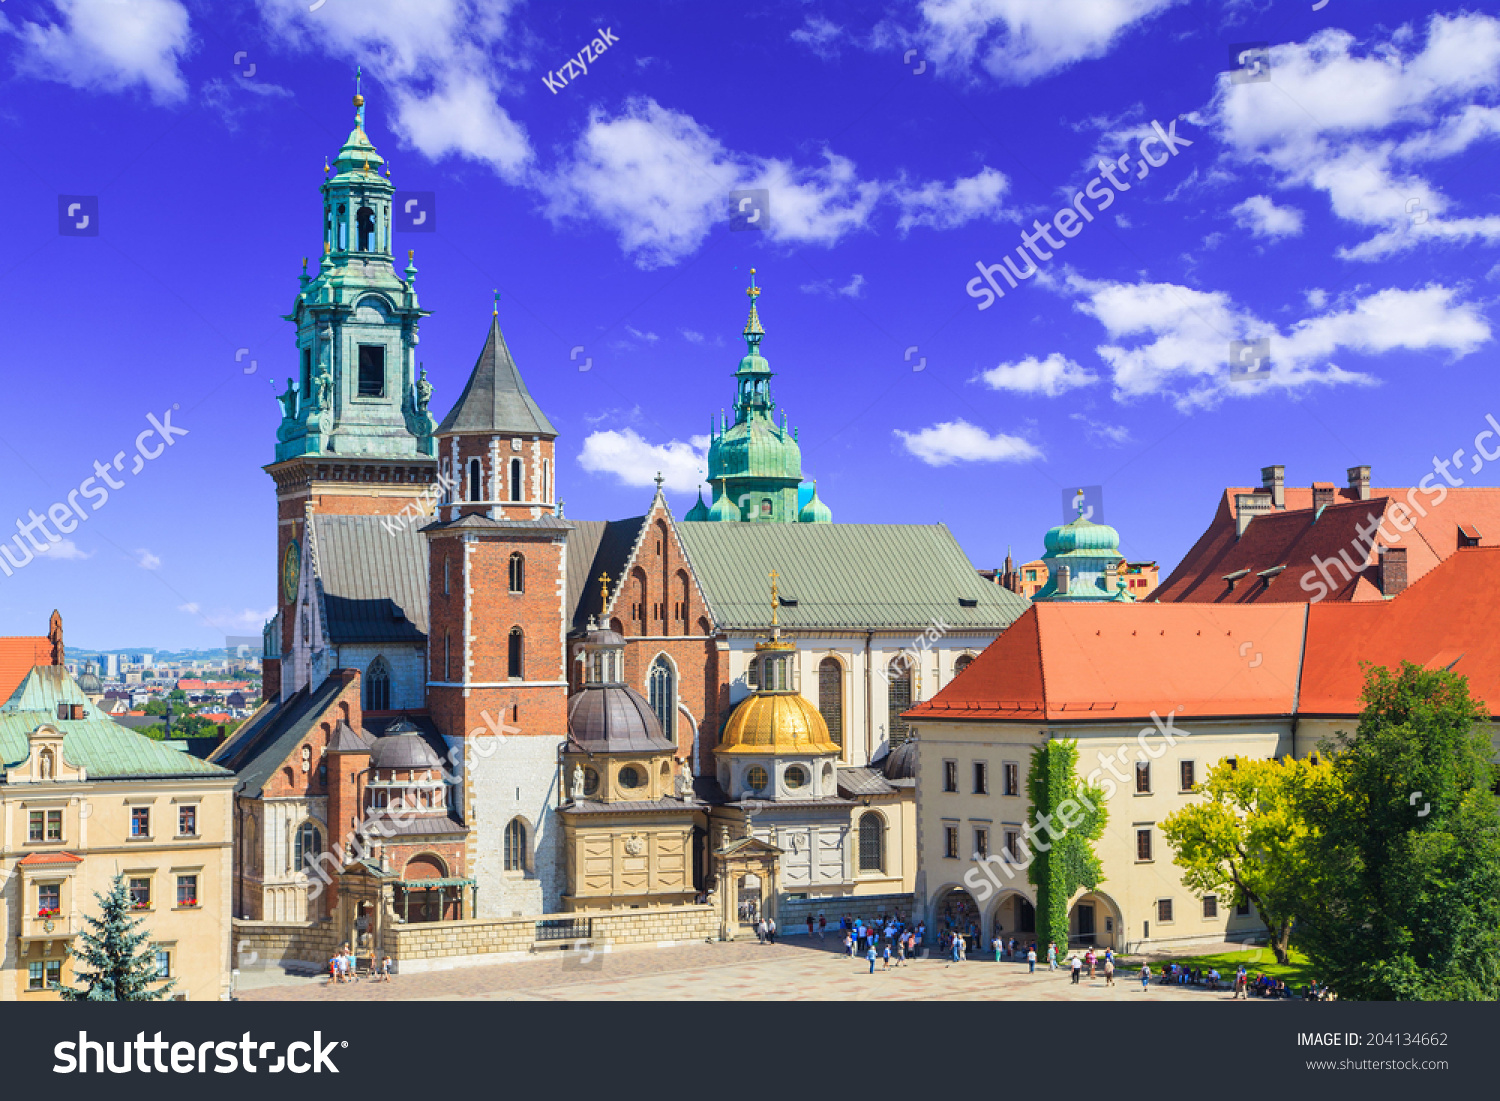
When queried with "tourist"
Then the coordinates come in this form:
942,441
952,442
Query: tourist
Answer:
1145,977
822,926
809,927
1213,978
1051,956
1013,949
771,930
1091,959
999,945
385,968
1031,958
335,969
1109,971
849,944
886,951
760,930
1239,983
870,955
1076,966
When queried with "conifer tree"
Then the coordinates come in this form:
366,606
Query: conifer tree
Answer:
116,962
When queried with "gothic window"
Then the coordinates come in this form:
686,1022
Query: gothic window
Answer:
515,846
871,842
517,573
365,219
476,481
372,370
514,655
515,479
343,241
447,656
831,697
308,844
662,685
898,698
378,686
546,477
963,662
445,577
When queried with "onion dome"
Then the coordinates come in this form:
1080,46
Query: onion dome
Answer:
723,508
1083,536
698,511
403,747
815,511
901,762
88,681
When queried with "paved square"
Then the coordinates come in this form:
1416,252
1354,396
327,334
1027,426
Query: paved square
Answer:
797,970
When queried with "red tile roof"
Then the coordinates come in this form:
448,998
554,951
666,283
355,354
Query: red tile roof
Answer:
1110,662
50,858
1104,662
1291,537
18,653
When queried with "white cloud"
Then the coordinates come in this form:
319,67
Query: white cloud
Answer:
64,550
1358,125
820,36
247,621
946,206
108,45
636,462
648,337
1264,218
691,336
191,607
1174,340
855,288
1106,435
442,62
1051,376
146,560
961,442
1018,41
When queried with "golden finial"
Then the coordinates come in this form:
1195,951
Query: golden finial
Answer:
326,169
775,600
604,580
411,258
753,291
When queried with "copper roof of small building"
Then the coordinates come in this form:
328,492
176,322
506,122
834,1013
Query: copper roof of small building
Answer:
900,763
403,746
613,718
854,782
495,399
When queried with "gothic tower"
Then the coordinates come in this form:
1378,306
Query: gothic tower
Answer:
497,559
355,435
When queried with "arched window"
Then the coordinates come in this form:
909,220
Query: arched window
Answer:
662,686
831,697
962,663
517,572
514,656
378,686
343,241
365,218
308,844
476,481
515,479
515,846
871,842
898,698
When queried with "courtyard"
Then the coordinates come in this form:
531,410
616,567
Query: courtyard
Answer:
796,970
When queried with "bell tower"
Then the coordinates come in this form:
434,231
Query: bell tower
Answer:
355,436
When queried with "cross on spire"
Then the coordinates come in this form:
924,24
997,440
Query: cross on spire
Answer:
604,580
775,600
497,302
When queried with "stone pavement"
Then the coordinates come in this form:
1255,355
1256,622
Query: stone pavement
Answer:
795,970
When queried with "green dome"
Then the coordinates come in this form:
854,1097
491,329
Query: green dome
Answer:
1083,536
722,508
755,448
815,511
698,511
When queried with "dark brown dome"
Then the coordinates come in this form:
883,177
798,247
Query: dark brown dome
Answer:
901,762
403,747
611,718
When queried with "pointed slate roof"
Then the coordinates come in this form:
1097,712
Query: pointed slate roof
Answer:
496,401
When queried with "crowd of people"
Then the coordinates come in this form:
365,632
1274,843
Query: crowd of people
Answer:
343,967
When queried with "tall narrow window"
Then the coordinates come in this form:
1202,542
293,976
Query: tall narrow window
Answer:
447,657
446,590
515,846
831,697
871,842
517,572
365,222
546,481
898,699
514,664
306,373
662,686
476,480
515,479
378,686
309,843
372,370
343,240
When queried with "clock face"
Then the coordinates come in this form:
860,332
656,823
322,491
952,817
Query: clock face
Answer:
291,571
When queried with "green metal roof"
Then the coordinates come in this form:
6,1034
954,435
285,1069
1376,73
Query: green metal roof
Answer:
844,576
96,743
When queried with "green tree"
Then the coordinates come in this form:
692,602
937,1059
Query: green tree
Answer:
1401,892
1245,838
1067,816
116,962
177,694
155,707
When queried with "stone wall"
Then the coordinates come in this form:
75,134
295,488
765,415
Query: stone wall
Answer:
262,944
437,946
793,912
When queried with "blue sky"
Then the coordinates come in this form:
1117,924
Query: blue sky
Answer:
1344,209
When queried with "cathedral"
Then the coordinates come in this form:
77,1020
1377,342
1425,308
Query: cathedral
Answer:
477,707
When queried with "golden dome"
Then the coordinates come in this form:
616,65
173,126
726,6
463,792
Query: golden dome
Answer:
776,722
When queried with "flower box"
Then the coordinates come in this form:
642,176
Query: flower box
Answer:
46,913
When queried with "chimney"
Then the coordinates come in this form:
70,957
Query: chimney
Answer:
1323,494
1273,481
1359,482
1062,579
1392,570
